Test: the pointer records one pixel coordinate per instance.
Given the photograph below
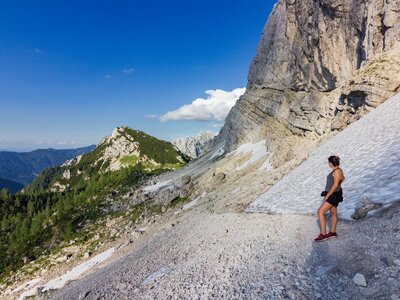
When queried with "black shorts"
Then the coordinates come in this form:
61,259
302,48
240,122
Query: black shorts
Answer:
335,198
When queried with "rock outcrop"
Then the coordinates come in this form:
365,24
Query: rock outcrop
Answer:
320,65
365,206
186,186
194,146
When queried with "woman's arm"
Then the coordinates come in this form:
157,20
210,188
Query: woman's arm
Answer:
336,180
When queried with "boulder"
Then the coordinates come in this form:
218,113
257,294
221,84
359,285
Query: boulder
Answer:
397,262
83,295
365,206
388,261
186,186
218,177
359,213
359,280
186,179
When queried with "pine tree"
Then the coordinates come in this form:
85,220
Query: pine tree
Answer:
5,223
5,195
47,209
36,228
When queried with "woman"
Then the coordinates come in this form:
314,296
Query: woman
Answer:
333,195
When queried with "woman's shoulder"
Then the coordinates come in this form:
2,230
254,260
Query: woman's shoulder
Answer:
337,171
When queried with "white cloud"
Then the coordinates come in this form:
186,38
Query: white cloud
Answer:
215,107
151,116
128,70
38,50
217,125
65,142
108,76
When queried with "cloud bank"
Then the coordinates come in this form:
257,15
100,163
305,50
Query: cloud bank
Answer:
214,108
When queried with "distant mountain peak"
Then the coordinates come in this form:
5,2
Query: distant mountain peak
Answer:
194,146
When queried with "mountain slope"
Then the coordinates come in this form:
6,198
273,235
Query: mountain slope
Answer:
320,66
12,186
124,148
370,158
74,202
237,255
25,166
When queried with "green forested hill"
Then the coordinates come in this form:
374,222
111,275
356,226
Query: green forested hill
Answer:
124,148
63,200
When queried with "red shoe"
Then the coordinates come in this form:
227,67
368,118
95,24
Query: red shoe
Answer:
331,235
321,238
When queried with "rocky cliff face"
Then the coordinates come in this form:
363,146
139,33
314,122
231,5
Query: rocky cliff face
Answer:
193,146
320,65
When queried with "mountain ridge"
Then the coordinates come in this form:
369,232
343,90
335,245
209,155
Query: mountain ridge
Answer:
10,185
194,146
23,167
123,148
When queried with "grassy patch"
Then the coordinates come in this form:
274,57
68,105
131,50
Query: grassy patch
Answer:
178,201
155,209
129,160
158,150
137,212
173,166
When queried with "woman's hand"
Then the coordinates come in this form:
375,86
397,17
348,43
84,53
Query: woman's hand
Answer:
336,180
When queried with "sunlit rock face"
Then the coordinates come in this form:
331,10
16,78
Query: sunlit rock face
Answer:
194,146
319,66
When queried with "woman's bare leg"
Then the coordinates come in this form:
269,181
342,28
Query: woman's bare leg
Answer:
321,215
333,212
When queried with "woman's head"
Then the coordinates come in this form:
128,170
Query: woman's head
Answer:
334,160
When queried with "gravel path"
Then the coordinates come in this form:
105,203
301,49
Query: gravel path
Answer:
203,255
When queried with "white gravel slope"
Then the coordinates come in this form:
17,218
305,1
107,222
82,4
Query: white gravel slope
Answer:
252,256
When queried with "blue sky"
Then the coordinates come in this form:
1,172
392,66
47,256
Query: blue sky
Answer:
71,71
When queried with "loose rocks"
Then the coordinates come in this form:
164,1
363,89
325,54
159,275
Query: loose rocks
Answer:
359,279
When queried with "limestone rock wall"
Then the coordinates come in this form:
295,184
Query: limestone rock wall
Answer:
193,145
320,65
